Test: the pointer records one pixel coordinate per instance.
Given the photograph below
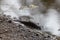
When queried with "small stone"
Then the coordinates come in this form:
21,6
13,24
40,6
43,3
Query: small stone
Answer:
48,36
0,37
37,35
9,21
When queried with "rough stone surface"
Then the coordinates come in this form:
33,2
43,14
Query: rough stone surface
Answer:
11,31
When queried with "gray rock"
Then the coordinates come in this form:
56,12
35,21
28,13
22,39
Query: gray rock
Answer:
10,31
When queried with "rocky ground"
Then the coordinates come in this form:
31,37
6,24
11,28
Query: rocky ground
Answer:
17,31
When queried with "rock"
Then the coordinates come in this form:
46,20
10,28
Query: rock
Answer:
10,31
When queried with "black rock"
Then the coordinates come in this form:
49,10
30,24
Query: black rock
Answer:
31,24
9,21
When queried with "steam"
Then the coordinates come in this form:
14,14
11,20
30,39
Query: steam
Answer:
51,23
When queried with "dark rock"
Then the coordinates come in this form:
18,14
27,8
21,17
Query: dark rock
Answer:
9,21
31,25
